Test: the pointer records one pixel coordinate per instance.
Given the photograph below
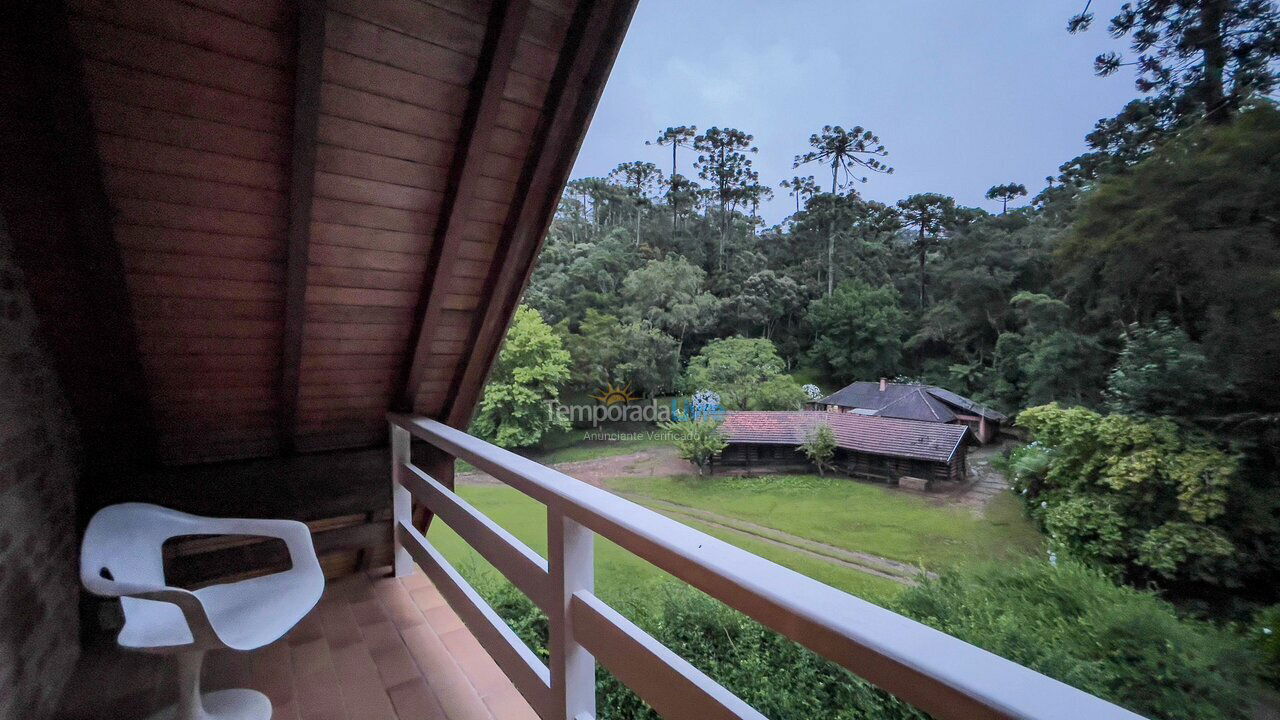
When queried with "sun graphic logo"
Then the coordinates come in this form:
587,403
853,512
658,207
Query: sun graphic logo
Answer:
611,395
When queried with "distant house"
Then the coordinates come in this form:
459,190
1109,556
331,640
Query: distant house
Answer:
875,448
925,403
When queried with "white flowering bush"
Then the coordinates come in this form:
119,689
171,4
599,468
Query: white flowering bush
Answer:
811,391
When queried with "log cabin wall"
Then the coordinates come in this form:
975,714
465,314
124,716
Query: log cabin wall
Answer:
864,465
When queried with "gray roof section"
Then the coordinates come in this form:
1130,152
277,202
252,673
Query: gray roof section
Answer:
965,403
909,402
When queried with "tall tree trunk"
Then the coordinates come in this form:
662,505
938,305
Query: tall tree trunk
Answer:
831,257
1216,106
673,190
920,244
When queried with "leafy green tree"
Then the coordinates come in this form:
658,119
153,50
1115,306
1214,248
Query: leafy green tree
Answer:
1042,358
1005,193
1161,372
698,441
735,368
1206,56
763,301
1139,497
929,214
778,393
820,447
858,331
670,295
531,368
1190,233
651,359
635,354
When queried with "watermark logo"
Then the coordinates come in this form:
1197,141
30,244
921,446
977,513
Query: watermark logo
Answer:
616,403
610,395
704,405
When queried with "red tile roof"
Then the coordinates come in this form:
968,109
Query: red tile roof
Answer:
935,442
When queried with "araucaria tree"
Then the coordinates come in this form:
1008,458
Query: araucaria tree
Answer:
929,214
724,161
847,153
800,188
1005,193
676,138
1203,57
642,180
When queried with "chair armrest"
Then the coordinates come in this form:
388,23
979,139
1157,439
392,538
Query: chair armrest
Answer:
296,535
202,632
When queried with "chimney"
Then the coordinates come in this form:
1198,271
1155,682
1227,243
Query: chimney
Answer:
883,384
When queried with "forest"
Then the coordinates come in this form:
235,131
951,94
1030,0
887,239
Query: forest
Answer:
1127,312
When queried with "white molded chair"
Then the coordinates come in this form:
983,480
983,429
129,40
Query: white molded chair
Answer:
121,557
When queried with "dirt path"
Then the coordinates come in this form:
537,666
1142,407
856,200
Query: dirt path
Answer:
987,482
894,570
645,463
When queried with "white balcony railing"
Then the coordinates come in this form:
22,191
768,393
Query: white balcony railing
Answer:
931,670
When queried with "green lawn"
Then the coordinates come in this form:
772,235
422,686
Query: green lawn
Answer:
571,445
621,577
853,515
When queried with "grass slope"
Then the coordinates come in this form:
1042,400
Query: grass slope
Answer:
854,515
623,578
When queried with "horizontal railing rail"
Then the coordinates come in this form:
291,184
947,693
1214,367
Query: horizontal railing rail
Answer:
929,669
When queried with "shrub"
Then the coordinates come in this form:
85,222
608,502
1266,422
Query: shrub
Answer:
1266,637
697,441
1068,622
1139,497
1073,624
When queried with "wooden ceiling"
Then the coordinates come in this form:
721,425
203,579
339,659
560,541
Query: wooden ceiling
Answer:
328,209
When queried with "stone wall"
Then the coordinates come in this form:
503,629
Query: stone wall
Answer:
39,585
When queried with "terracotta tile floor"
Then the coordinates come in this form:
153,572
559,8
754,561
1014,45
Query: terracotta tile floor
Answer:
375,648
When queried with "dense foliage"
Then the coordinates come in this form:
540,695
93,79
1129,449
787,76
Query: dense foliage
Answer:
1071,623
1138,496
1068,622
527,376
1142,280
736,369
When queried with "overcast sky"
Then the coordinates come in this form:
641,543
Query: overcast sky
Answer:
965,94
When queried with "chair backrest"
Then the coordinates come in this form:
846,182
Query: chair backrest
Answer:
124,543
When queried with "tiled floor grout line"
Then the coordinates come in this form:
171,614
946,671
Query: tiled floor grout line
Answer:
427,625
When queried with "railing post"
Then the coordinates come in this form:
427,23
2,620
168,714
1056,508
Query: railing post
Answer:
401,500
571,563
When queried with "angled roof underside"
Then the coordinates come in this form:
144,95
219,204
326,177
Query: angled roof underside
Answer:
931,441
328,209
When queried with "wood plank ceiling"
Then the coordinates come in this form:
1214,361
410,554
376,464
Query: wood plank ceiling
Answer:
327,209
